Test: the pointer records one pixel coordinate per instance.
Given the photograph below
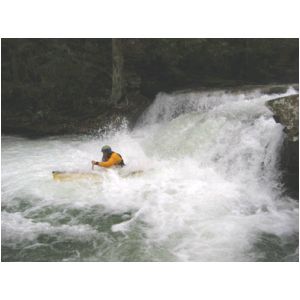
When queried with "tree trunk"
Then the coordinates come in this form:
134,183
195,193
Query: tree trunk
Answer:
117,71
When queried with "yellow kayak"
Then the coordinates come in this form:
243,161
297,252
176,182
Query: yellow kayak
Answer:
71,176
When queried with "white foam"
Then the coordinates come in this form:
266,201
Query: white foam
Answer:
15,229
210,185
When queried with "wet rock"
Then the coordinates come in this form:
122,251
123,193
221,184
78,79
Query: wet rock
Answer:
286,112
99,120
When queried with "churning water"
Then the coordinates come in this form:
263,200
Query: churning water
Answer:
210,190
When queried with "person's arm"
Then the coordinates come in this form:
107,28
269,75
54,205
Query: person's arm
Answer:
113,160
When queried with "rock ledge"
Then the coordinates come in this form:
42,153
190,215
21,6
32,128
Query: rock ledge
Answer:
286,112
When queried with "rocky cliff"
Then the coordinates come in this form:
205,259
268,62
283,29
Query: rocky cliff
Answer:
286,112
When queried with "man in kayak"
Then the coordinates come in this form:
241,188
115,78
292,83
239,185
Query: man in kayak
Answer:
109,159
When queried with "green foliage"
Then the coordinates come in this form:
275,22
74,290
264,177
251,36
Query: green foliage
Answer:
55,74
72,78
167,64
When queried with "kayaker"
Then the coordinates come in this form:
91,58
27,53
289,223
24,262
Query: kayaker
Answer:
109,159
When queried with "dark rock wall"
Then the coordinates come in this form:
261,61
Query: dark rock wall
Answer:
286,112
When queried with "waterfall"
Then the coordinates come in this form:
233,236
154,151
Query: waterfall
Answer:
210,190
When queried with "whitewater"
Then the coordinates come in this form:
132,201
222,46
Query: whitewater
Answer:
210,188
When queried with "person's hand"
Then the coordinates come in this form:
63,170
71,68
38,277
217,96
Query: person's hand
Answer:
93,162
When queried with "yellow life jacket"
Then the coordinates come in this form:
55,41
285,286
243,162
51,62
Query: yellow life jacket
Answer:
114,159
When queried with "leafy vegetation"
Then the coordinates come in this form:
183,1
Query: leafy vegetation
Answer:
46,80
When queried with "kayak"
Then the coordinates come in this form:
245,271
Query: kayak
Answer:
73,176
70,176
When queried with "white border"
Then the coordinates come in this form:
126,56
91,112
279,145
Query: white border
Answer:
150,281
164,18
149,18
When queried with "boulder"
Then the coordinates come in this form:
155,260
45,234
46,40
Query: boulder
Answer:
286,112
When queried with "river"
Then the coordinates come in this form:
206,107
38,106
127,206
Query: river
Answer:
210,188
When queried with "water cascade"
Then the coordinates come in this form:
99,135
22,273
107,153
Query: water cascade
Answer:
210,188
